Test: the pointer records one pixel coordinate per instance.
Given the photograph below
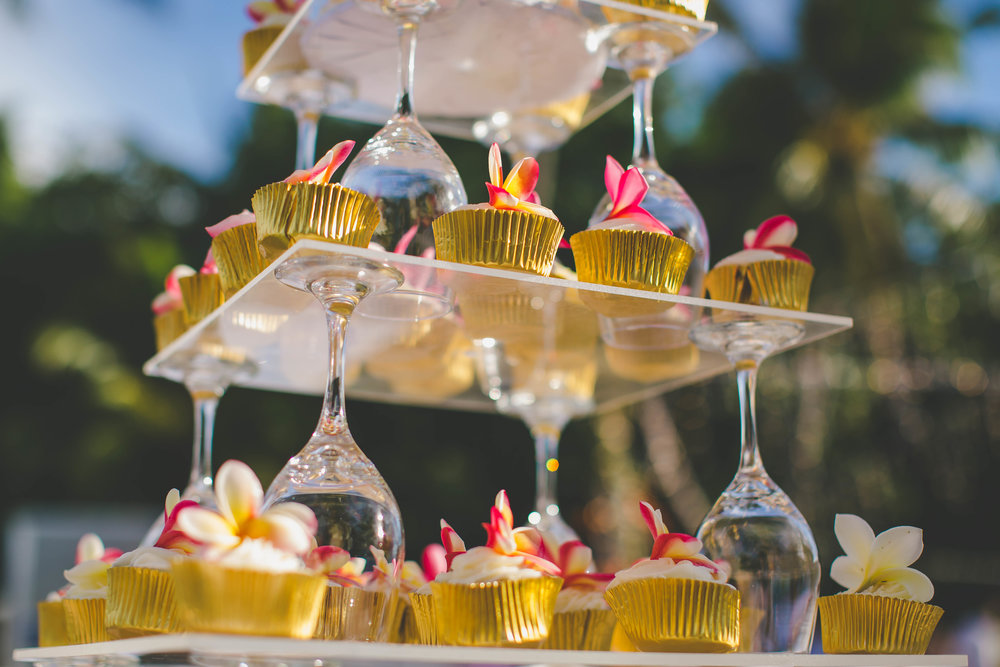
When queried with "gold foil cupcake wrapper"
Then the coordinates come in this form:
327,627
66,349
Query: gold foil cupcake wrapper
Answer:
353,613
331,212
202,293
273,206
632,259
85,620
238,257
140,602
581,630
255,43
169,326
684,615
52,624
781,283
503,239
694,9
212,598
496,613
854,623
422,608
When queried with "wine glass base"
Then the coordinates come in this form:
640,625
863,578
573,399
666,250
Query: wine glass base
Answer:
348,275
741,340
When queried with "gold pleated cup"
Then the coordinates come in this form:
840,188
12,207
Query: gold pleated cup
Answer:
212,598
273,206
422,607
238,257
582,630
255,43
679,615
85,620
875,624
350,612
694,9
169,326
202,293
778,283
140,602
52,624
632,259
331,212
408,633
507,613
501,239
652,365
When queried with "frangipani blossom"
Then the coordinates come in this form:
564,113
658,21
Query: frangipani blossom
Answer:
171,537
434,561
170,298
574,559
244,217
678,547
879,565
260,10
627,189
384,571
777,235
337,565
323,170
503,538
453,544
90,547
238,495
517,192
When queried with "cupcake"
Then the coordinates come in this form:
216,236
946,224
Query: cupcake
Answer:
141,597
767,272
201,292
513,231
270,18
86,597
247,576
582,620
357,605
501,594
677,599
235,252
629,248
436,560
307,206
169,320
415,579
884,609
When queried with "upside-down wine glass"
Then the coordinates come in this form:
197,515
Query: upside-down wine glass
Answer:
402,167
754,525
643,49
331,475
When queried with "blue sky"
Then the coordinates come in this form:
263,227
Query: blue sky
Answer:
90,73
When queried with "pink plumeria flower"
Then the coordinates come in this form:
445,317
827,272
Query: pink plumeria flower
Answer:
337,565
238,495
879,565
323,170
244,217
678,547
503,538
777,235
517,193
170,298
452,543
171,537
574,559
383,570
434,561
627,189
260,10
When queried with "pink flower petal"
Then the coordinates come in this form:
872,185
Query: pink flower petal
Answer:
653,519
323,170
575,557
405,239
540,564
172,284
613,172
433,561
502,504
237,219
238,492
777,231
496,166
327,559
791,253
522,179
500,198
631,189
207,527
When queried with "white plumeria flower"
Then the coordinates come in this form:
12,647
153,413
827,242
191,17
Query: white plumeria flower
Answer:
238,495
879,565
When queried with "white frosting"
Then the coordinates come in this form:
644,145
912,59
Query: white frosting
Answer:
744,257
481,564
580,599
487,207
423,590
89,581
666,568
150,558
259,555
629,224
53,597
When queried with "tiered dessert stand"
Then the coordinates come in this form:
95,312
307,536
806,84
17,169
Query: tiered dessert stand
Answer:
484,71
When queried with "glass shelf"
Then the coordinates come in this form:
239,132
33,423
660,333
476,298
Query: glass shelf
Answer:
463,337
234,650
485,68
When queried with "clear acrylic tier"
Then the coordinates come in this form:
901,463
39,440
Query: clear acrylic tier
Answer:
485,69
184,649
465,337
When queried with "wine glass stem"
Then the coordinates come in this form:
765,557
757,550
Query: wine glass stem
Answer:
407,63
546,464
643,151
205,404
307,125
746,381
334,418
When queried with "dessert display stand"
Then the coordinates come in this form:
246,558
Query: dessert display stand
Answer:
198,649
